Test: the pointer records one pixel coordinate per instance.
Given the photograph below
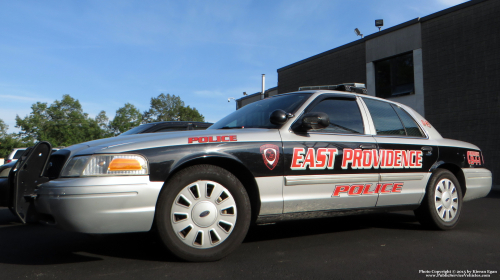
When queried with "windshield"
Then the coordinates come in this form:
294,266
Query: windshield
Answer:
256,115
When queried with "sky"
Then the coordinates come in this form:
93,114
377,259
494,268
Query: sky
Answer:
108,53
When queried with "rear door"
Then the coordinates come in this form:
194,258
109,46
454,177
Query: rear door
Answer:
27,176
405,151
324,169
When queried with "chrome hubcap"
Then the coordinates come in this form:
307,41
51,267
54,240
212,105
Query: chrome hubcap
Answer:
203,214
446,200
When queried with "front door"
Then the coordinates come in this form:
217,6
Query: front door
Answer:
330,168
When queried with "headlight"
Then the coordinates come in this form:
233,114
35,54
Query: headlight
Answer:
106,165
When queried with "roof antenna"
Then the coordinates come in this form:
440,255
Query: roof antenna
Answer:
358,33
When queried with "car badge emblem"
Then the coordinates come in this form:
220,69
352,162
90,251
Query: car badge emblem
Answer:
204,214
270,155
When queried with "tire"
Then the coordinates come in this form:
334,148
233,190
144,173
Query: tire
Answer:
203,213
442,203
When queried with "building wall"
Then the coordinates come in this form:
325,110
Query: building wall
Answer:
395,43
344,66
243,102
271,92
461,61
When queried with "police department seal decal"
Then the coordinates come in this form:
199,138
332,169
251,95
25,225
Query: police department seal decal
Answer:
270,155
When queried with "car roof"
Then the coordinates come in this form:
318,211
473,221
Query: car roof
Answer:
315,93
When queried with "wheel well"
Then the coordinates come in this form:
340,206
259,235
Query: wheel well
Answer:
238,170
457,171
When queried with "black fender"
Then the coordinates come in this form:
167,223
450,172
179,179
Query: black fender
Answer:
226,161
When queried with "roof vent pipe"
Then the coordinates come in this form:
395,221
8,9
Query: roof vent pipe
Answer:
263,86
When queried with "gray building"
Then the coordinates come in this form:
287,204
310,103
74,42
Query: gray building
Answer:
445,65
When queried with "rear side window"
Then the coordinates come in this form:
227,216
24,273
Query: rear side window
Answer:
18,154
411,126
389,119
384,117
344,115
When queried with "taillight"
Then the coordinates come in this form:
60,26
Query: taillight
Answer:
8,161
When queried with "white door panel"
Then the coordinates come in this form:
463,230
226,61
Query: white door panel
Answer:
411,192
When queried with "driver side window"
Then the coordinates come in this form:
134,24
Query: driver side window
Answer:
344,115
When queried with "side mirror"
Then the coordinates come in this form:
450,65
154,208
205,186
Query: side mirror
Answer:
315,120
278,117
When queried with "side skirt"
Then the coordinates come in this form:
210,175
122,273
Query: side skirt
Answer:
265,219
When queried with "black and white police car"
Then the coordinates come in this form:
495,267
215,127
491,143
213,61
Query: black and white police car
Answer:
297,155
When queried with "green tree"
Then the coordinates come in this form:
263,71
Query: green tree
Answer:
190,114
3,128
170,108
103,122
10,141
126,118
63,123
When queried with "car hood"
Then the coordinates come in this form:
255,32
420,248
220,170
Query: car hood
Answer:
153,140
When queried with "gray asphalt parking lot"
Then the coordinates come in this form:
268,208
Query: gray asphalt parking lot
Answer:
377,246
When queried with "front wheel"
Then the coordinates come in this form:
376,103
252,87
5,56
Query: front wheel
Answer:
203,213
442,204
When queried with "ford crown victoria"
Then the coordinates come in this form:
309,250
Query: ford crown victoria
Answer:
297,155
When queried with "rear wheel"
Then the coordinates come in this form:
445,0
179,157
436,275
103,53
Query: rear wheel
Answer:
442,204
203,213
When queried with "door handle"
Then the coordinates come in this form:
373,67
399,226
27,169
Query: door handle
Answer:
368,146
427,149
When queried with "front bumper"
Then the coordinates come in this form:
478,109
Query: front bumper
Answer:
97,205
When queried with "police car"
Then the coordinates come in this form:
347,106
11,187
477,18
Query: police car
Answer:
303,154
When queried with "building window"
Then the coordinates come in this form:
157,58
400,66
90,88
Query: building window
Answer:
394,76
